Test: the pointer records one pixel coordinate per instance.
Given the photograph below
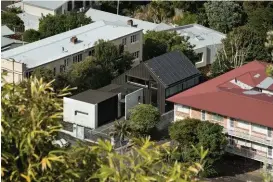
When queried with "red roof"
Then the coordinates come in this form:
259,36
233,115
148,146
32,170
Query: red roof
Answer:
221,96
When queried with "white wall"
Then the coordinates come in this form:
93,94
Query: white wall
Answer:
33,10
71,106
131,100
14,70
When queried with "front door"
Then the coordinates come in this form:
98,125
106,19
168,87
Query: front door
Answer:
80,132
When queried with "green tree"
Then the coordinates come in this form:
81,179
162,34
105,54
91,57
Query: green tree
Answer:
87,75
223,16
43,72
12,21
112,58
158,43
211,137
240,46
30,120
15,10
185,19
31,35
121,131
143,118
54,24
184,132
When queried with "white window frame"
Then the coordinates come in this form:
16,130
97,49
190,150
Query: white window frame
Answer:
259,129
205,116
183,109
133,39
243,124
124,41
214,114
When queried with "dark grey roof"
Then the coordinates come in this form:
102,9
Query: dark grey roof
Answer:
171,67
115,88
93,96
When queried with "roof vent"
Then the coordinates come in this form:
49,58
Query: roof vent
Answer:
198,37
257,76
130,22
74,39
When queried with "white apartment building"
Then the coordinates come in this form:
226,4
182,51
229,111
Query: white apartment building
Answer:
14,70
60,51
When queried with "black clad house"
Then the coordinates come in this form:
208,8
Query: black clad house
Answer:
161,77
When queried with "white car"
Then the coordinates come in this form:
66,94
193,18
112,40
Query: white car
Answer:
62,143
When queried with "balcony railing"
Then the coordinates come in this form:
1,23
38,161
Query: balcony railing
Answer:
249,154
249,137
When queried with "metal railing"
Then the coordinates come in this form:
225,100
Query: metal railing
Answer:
249,154
249,137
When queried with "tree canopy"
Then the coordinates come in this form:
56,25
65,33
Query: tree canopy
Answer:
224,15
12,21
31,115
50,25
31,35
158,43
143,118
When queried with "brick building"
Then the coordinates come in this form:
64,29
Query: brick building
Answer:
242,102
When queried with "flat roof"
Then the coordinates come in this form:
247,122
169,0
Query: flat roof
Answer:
93,96
234,95
97,15
30,21
51,48
115,88
50,5
6,31
199,35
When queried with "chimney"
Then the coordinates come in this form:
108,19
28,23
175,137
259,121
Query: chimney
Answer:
74,39
130,22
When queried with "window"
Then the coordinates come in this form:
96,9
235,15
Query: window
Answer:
136,54
183,109
91,52
217,117
174,89
4,71
124,40
203,115
243,124
200,57
121,49
133,38
137,81
259,147
80,112
66,61
54,71
62,68
75,59
79,57
259,128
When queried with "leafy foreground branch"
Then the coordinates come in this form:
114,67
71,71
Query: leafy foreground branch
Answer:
31,115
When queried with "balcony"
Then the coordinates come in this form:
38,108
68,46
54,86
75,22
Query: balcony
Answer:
247,136
249,154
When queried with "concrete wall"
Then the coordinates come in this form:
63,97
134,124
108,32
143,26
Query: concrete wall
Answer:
33,10
131,100
209,54
14,70
87,120
131,48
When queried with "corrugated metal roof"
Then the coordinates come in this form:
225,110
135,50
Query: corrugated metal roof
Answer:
50,49
171,67
217,97
51,5
97,15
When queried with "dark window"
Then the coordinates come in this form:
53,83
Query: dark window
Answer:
80,112
124,40
138,81
75,59
87,3
174,89
200,56
121,49
54,71
66,61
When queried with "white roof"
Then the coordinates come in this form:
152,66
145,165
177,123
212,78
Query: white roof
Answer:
6,31
30,21
50,5
199,35
50,49
97,15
